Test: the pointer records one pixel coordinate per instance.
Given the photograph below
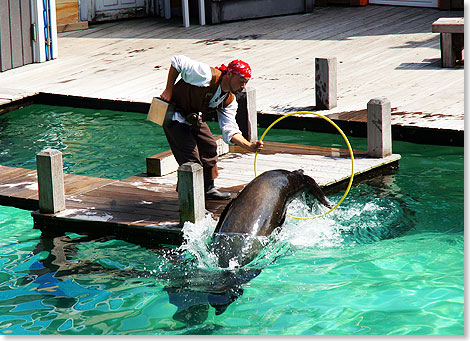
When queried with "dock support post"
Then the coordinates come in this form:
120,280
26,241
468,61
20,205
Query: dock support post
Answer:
247,115
379,127
191,192
325,83
50,181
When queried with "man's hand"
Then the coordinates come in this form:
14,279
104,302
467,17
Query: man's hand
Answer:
239,140
256,146
168,92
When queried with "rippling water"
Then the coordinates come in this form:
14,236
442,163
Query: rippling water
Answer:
389,260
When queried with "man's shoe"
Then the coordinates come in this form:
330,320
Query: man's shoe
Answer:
214,194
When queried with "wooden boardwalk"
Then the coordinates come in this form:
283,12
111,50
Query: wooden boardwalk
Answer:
385,51
146,208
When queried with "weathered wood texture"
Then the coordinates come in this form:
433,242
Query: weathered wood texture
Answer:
149,206
385,51
191,193
326,83
379,129
67,16
50,168
448,25
66,11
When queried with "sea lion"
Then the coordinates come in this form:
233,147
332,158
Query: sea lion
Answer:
256,211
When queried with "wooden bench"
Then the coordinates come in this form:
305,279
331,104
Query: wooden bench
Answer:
452,39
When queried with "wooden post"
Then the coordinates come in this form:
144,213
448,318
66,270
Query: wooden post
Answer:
247,118
191,192
325,83
379,127
50,181
448,56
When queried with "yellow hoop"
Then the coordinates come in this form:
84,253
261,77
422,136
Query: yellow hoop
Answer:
350,153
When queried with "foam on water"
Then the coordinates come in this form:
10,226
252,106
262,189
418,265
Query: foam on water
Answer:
196,241
352,223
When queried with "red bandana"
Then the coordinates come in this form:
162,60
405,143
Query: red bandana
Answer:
237,66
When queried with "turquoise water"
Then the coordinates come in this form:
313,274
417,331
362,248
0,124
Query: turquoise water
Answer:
389,260
104,143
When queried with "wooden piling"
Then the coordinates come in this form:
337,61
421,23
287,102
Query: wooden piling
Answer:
247,114
325,83
50,181
379,127
191,192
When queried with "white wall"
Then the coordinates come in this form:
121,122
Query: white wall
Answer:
41,52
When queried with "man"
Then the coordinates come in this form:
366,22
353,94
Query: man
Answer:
203,89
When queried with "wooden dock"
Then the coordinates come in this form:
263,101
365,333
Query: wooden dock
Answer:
387,51
145,209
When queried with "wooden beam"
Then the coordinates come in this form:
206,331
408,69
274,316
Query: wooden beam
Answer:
81,25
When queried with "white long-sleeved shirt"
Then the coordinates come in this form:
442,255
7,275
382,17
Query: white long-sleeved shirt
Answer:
199,74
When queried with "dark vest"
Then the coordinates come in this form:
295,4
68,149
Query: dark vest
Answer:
191,99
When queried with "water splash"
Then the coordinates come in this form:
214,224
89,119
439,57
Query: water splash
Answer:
226,253
196,242
354,222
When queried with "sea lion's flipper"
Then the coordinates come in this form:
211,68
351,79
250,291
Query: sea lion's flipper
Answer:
317,191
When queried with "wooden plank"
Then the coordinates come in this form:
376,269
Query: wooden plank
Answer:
124,203
66,11
5,36
448,25
84,216
78,184
120,190
6,172
156,184
23,189
26,38
288,148
17,175
155,212
81,25
15,34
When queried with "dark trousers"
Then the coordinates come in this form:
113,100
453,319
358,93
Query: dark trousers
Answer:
193,144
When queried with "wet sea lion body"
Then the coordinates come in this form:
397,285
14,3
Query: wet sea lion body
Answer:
257,210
